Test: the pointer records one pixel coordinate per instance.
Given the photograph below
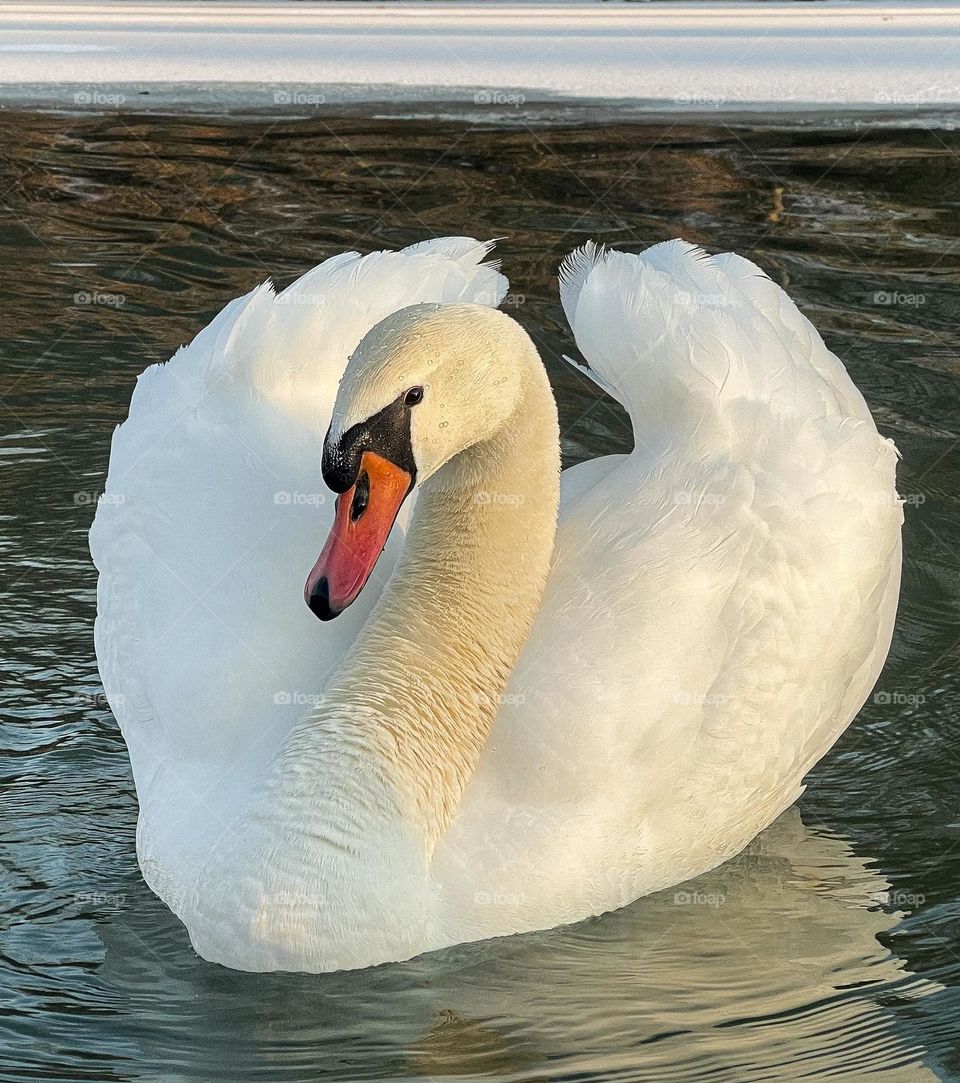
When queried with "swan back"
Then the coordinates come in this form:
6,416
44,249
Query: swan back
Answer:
749,430
720,605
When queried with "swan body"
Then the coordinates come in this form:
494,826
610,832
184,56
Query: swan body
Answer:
554,694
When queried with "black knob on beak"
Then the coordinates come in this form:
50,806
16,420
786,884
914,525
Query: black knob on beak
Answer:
320,600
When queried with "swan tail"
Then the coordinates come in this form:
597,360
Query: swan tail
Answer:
674,322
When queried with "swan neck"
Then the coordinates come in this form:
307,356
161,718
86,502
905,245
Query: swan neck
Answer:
426,676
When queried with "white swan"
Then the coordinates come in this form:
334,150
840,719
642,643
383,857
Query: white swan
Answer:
531,725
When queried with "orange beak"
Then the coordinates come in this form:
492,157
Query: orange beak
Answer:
364,518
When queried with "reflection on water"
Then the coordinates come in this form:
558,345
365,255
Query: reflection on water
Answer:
752,965
827,947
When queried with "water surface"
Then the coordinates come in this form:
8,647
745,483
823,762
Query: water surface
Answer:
831,947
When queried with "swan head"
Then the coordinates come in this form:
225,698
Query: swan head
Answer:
423,385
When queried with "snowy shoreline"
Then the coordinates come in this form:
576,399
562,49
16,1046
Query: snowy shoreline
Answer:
697,56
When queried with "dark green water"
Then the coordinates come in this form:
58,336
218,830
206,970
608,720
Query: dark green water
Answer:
831,947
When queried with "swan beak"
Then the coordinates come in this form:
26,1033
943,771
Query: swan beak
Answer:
364,518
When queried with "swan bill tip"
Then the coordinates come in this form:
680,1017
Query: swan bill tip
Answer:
319,600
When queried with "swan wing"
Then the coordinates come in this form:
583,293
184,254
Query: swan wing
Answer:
720,604
213,513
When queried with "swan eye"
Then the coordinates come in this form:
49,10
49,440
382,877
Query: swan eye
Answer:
361,495
413,396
